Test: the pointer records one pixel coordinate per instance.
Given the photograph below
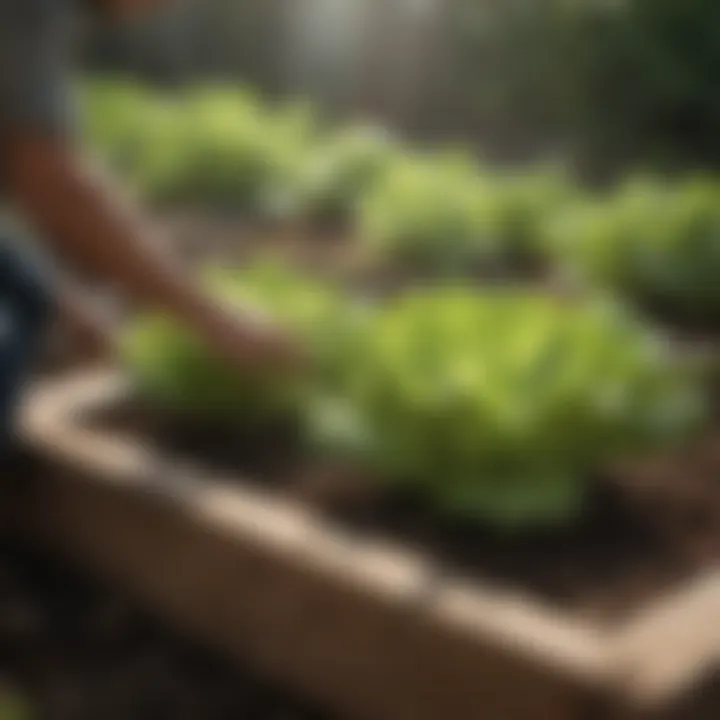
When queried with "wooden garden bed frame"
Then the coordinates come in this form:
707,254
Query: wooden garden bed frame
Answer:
376,632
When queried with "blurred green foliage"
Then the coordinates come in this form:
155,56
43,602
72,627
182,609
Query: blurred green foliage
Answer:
644,79
340,171
656,242
494,407
214,147
497,407
175,370
615,82
440,212
445,213
14,706
428,212
222,148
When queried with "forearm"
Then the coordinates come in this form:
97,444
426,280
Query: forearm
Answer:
96,228
93,226
82,321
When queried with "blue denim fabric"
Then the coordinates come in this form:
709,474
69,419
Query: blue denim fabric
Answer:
25,313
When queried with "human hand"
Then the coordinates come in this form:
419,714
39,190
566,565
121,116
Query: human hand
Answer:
250,340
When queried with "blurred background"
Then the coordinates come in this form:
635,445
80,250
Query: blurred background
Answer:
557,148
608,82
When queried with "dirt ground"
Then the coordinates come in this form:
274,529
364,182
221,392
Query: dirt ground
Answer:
72,649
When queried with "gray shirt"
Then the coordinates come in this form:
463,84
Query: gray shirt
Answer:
35,54
35,43
35,60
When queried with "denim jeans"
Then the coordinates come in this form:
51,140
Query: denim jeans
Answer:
25,311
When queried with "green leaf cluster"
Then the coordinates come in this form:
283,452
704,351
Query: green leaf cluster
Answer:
443,212
659,243
222,147
493,407
340,171
173,368
498,407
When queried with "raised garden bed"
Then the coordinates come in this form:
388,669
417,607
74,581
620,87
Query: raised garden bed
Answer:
368,611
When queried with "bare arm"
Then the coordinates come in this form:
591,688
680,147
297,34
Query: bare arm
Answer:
93,226
82,324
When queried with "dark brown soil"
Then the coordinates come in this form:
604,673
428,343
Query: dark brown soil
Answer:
75,650
200,239
646,529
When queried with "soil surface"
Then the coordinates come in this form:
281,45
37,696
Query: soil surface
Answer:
646,528
72,649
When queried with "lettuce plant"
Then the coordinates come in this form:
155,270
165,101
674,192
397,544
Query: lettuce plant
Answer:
445,214
340,171
215,146
517,205
229,151
121,119
172,367
497,408
428,212
657,243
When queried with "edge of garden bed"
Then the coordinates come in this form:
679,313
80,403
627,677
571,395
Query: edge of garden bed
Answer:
368,629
